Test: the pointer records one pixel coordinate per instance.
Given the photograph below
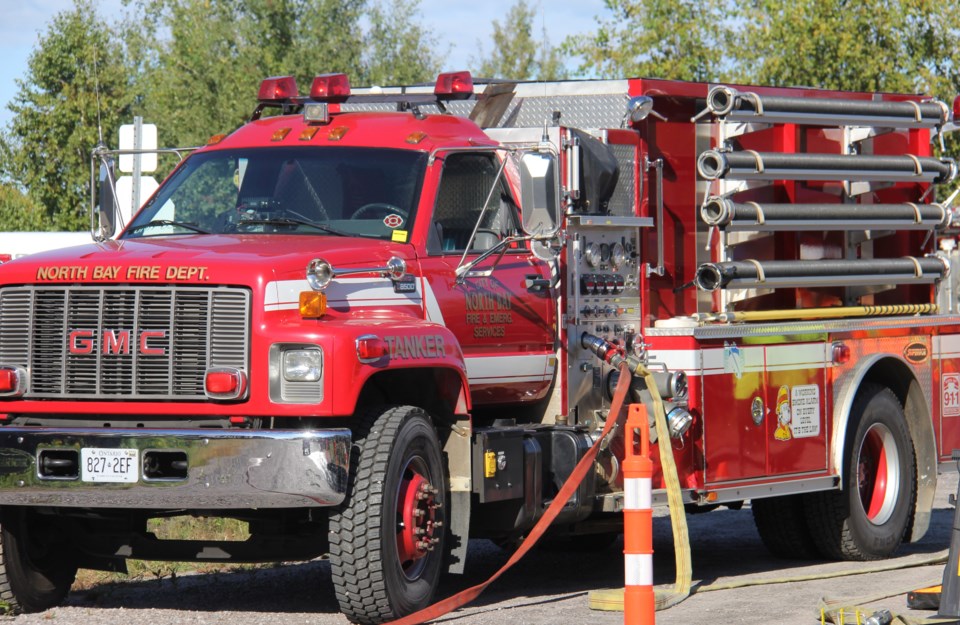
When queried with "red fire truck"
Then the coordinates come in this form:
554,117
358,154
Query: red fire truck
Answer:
368,324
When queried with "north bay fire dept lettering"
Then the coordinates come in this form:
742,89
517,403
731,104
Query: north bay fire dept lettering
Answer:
115,342
408,347
115,272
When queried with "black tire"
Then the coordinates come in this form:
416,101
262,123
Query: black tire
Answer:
868,518
381,570
37,567
782,525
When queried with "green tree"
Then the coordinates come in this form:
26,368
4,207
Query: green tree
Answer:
860,45
678,39
18,213
909,46
203,60
517,54
400,51
76,81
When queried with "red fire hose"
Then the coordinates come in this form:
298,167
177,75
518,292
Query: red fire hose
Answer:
464,597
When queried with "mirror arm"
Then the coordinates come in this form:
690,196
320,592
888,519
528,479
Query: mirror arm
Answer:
464,269
483,211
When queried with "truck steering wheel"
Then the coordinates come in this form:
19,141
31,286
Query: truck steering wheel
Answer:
382,207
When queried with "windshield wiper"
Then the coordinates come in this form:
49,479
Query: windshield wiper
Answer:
168,222
289,221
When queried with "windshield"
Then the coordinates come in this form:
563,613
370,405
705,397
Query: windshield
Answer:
366,192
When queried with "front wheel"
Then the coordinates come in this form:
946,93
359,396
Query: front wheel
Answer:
37,566
868,519
387,540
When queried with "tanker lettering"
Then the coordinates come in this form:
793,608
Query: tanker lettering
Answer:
412,347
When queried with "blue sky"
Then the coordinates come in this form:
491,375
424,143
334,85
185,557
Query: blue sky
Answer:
457,24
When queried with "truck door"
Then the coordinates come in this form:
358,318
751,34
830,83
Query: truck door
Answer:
505,318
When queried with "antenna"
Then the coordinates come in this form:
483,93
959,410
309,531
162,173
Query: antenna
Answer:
96,87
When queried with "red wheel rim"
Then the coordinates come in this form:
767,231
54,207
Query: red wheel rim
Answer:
878,474
416,518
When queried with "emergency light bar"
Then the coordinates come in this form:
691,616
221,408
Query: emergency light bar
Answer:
454,86
278,88
330,88
281,92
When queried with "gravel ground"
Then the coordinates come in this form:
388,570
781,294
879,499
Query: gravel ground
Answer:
549,586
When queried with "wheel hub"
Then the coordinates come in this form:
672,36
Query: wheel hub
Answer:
878,474
418,523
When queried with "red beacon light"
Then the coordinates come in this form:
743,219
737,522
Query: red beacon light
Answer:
330,88
956,110
454,86
278,88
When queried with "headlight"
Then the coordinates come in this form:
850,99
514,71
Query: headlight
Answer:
302,365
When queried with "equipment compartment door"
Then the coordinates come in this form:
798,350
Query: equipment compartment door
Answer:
763,410
795,427
735,445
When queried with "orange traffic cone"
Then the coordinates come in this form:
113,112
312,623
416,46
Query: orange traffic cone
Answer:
639,603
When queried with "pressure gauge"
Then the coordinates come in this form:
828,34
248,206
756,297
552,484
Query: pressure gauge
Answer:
617,255
592,254
604,253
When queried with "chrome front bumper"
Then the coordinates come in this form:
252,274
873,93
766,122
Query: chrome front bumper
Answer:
223,468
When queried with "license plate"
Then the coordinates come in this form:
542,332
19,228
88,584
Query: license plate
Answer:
109,465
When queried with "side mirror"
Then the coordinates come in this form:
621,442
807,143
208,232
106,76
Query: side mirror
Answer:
107,208
539,194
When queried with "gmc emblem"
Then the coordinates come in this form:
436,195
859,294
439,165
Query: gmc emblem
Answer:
115,342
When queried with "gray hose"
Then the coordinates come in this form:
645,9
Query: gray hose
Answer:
725,100
826,272
718,211
714,164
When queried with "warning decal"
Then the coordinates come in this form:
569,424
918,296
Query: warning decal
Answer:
805,405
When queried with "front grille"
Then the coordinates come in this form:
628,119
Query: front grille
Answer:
105,342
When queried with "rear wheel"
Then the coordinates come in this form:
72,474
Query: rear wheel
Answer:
782,526
868,519
37,566
387,541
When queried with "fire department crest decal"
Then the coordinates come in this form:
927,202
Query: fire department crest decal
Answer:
393,221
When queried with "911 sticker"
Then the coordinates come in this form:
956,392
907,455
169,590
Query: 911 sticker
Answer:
950,391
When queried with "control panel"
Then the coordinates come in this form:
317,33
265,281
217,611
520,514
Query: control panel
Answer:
602,299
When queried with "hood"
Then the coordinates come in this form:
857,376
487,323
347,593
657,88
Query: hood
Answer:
246,260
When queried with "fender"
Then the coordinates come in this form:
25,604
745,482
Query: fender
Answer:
406,345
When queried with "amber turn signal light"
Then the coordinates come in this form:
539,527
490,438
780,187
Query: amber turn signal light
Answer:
313,304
